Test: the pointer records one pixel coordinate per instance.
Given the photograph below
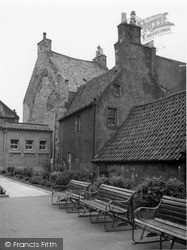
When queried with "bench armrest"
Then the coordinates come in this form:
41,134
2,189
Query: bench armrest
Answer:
89,194
148,212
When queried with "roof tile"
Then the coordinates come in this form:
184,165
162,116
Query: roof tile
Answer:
25,126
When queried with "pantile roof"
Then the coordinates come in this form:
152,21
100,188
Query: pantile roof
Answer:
152,132
25,126
90,91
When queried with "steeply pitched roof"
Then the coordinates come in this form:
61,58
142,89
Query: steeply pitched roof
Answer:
76,71
25,126
152,132
92,90
7,112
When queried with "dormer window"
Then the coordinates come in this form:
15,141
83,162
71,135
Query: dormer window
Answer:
117,90
112,117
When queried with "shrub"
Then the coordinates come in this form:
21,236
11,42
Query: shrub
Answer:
63,178
149,192
174,188
46,171
2,190
28,172
36,180
3,171
19,171
11,171
101,180
27,178
119,181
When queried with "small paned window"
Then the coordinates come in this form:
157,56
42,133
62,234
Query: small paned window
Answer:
117,89
77,123
43,145
112,117
14,144
29,144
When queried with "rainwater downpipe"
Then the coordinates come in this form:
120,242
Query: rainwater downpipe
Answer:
4,148
94,126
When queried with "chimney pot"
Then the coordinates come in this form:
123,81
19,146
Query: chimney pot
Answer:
133,17
123,17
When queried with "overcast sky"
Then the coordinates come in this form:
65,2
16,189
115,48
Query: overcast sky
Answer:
75,27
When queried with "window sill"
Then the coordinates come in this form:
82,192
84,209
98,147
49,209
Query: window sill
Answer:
43,152
15,152
29,152
112,126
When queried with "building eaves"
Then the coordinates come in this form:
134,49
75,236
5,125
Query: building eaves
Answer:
25,126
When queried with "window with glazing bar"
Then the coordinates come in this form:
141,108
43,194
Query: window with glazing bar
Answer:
112,117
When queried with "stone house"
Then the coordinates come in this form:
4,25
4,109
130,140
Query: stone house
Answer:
54,80
100,106
7,115
24,145
150,142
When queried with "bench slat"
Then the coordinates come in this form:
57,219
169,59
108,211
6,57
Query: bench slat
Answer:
167,229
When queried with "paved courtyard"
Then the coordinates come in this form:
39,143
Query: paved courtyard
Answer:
28,213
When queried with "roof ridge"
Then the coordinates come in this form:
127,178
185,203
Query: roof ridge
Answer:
171,60
25,123
74,58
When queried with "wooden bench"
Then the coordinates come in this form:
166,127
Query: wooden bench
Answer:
110,202
167,220
69,195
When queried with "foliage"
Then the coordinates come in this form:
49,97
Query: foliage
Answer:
11,171
119,181
174,188
29,172
20,171
2,190
101,180
3,171
149,192
46,171
36,179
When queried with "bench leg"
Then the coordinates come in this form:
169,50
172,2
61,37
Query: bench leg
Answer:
52,199
85,212
173,241
142,240
98,216
116,223
72,206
